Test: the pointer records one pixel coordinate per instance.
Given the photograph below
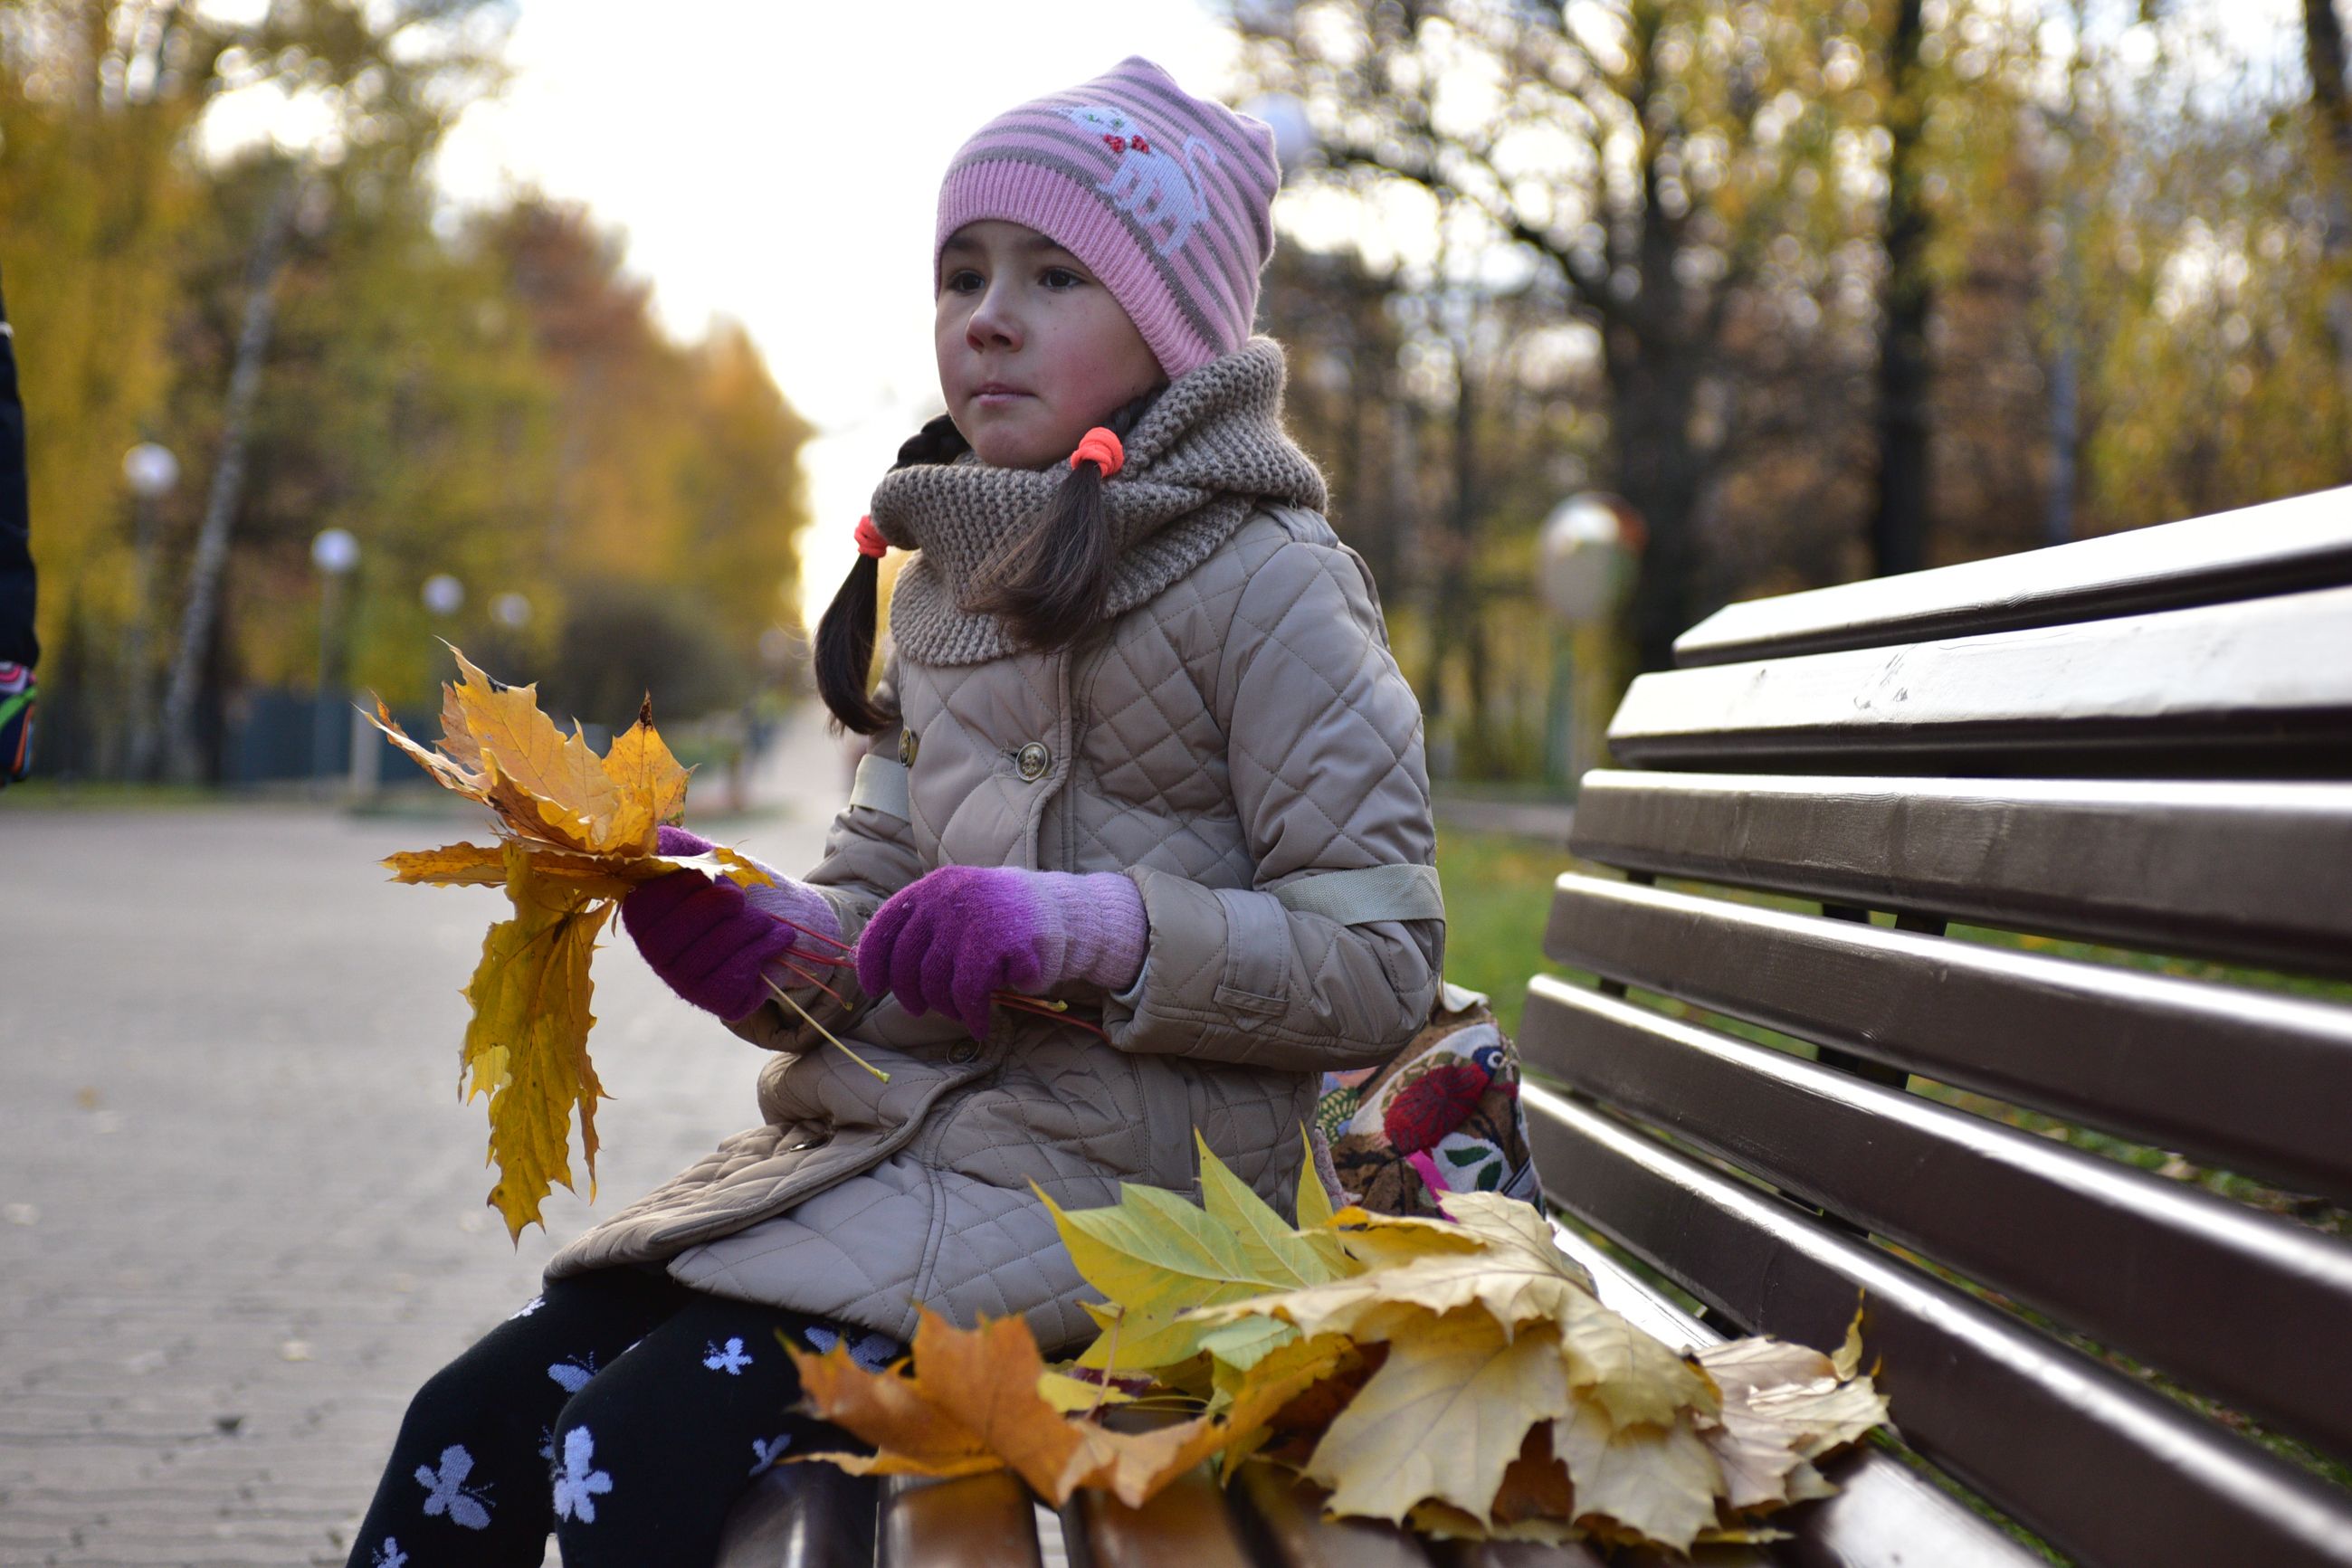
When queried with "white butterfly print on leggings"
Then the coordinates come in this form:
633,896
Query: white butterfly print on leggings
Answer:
447,1491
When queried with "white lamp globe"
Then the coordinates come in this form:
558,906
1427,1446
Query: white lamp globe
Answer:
150,470
334,551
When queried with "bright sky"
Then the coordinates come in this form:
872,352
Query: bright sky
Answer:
778,164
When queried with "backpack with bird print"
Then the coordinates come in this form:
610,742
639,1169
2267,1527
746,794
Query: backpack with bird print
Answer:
1442,1115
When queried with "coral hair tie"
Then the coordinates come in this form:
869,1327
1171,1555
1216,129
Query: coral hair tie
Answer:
1100,446
870,540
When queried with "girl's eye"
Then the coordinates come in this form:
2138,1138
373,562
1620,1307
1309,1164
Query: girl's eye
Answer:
1060,278
962,280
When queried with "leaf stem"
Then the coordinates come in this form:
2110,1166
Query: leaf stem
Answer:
784,997
808,979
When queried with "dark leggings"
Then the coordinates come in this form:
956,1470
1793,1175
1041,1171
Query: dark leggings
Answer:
619,1407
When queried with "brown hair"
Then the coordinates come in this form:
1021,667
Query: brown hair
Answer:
1049,584
845,637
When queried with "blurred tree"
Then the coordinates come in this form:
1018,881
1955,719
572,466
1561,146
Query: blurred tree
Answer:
674,465
2331,110
1643,153
1898,523
461,405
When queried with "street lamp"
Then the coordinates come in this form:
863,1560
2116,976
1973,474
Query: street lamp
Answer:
336,554
443,594
1584,568
151,471
511,610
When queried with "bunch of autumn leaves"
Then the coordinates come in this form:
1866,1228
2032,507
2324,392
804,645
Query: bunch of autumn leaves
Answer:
1458,1375
575,833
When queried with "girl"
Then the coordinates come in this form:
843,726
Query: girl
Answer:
1140,844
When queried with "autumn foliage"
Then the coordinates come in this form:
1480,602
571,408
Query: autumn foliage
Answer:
575,832
1457,1375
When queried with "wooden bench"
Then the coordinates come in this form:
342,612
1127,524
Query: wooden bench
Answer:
2142,742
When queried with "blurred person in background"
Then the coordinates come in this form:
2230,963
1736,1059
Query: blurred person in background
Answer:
20,650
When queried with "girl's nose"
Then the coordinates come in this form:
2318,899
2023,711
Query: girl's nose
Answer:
993,323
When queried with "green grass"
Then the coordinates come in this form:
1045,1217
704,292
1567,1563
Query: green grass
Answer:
1498,896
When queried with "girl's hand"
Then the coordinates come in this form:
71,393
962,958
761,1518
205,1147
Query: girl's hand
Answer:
709,940
946,940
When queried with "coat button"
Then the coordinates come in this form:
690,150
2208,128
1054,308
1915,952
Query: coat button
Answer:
909,743
962,1052
1033,760
813,1141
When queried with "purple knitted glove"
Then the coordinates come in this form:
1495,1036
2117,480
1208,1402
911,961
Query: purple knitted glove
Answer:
709,940
946,940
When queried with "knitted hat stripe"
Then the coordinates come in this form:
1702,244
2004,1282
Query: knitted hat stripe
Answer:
1007,187
1165,196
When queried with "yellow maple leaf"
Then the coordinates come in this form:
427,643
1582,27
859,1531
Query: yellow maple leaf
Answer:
1157,1255
1629,1375
577,833
1313,1203
526,1046
1512,1271
1658,1480
1441,1420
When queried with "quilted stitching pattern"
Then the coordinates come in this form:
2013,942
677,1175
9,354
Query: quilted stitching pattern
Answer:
1245,728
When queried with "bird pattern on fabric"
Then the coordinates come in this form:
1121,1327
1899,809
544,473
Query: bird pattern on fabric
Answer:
527,1308
388,1554
447,1493
579,1483
1442,1115
731,1359
766,1452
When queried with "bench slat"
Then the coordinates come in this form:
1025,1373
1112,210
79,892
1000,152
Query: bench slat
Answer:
2108,1471
801,1516
2252,1082
1285,1518
971,1522
2217,870
1186,1526
2220,689
2170,1274
2280,547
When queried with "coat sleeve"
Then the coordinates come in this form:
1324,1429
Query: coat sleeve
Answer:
869,854
1330,961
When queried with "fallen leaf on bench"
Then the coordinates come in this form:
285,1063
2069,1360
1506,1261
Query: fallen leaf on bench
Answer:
1444,1416
1458,1375
576,831
977,1400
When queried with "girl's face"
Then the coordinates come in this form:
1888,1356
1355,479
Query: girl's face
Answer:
1033,349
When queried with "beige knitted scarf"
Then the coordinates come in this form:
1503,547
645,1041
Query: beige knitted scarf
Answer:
1198,462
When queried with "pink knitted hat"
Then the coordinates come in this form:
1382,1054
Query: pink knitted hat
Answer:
1166,197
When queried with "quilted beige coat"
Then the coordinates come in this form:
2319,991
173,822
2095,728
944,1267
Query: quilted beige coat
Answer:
1241,745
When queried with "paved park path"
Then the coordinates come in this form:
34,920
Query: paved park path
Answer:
241,1209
